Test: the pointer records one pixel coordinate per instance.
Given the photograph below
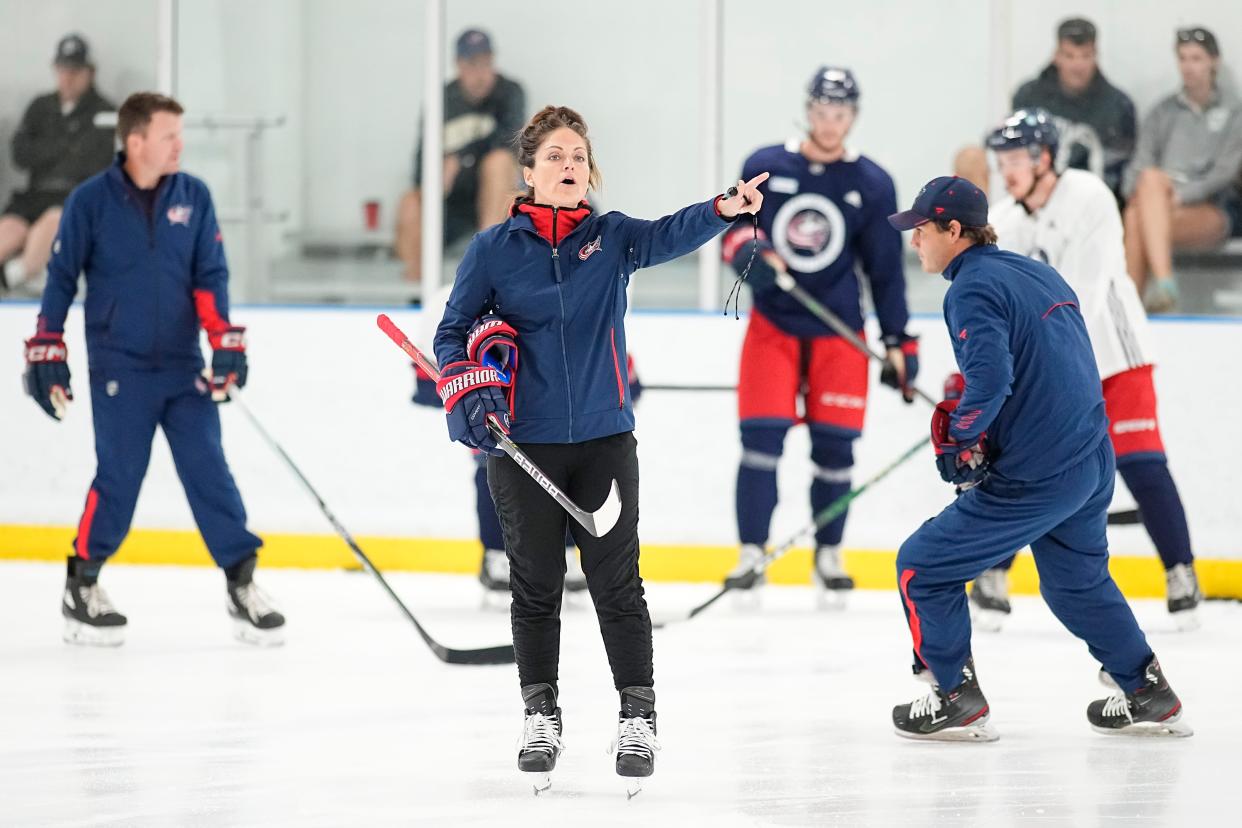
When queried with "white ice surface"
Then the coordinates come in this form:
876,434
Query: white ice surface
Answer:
770,717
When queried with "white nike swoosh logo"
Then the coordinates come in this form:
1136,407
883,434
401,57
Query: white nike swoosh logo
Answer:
935,720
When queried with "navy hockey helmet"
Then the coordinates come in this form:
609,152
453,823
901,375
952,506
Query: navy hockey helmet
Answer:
1031,128
833,84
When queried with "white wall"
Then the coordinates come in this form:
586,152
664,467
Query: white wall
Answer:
122,38
335,392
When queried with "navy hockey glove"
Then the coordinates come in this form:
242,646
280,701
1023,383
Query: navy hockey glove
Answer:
228,361
902,365
472,395
963,466
740,251
47,373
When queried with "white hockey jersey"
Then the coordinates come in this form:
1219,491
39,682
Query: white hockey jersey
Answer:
1079,233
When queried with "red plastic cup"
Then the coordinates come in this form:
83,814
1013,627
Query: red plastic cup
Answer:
371,214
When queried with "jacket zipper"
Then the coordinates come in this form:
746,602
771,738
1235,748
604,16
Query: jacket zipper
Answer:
616,366
560,294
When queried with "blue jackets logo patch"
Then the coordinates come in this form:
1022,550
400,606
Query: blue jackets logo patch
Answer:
180,214
589,248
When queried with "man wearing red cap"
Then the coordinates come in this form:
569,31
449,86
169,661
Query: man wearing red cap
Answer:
1027,446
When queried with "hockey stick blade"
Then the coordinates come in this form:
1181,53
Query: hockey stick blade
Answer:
598,523
503,654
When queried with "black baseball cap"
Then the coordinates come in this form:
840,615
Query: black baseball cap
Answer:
73,52
1077,30
1200,35
473,42
947,198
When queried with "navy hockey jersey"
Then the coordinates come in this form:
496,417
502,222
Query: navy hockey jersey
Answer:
827,222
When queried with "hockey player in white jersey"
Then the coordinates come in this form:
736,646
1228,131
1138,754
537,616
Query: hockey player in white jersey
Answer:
1070,221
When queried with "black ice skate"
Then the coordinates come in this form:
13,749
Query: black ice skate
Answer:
1152,710
959,715
541,735
831,580
989,600
1184,596
90,617
255,621
636,742
744,576
494,576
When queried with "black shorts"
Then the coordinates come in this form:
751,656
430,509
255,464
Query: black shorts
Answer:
30,205
1230,203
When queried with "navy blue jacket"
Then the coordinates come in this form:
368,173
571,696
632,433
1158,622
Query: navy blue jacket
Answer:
1031,380
568,306
151,279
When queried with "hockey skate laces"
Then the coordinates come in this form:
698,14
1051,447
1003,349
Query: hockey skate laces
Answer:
636,736
540,733
1117,704
735,292
928,705
255,602
97,602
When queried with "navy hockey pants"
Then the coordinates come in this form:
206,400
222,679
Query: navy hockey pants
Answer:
126,407
1063,519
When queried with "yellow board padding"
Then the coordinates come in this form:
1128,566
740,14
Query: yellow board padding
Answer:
871,568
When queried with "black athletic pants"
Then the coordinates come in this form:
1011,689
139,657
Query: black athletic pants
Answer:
534,530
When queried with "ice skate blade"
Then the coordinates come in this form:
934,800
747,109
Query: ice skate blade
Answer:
986,620
1187,620
1174,727
247,633
977,732
76,632
540,781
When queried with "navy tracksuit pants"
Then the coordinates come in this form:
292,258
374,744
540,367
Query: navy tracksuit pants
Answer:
126,407
1063,519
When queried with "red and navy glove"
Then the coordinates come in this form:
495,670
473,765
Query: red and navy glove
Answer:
954,386
47,373
739,250
963,466
472,395
902,365
492,342
228,361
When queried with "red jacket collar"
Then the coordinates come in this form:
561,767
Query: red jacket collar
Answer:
567,218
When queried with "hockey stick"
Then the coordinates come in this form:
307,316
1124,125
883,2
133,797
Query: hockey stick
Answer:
823,518
787,284
689,387
1123,517
487,655
598,522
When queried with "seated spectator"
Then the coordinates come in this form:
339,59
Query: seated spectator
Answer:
1181,184
483,111
1096,120
59,146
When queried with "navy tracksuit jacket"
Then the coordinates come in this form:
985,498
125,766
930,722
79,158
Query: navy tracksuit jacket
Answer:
153,276
1032,386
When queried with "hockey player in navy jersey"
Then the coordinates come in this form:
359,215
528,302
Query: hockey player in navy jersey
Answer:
824,220
1070,221
145,236
1027,445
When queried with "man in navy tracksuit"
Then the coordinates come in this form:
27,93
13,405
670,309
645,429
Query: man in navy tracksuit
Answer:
1027,445
147,239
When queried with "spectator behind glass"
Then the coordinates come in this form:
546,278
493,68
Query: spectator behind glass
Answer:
1096,119
59,146
483,111
1180,185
